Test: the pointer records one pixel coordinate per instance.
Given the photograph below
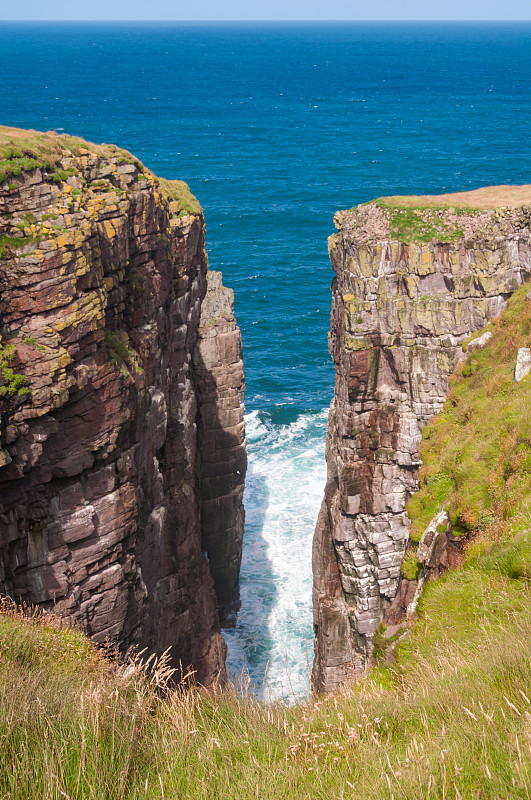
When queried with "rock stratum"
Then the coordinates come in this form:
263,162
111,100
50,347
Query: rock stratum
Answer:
123,449
415,277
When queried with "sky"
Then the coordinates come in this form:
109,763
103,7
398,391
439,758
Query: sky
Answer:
214,10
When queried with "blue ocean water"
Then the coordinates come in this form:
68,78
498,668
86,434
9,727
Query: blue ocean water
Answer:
275,127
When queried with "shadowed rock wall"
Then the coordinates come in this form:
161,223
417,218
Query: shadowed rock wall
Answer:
102,278
220,381
400,312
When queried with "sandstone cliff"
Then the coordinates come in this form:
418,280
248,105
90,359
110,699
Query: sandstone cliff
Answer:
414,278
220,381
105,481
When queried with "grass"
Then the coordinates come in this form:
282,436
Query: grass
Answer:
424,224
488,197
9,244
26,150
410,566
450,718
436,218
12,384
477,453
180,193
124,356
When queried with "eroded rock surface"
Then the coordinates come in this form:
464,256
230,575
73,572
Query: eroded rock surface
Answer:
220,381
401,310
102,278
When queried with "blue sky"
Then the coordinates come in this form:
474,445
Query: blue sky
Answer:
267,9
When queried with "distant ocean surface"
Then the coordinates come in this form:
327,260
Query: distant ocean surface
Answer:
275,127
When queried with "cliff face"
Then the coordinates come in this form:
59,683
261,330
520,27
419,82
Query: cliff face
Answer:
218,369
414,278
103,275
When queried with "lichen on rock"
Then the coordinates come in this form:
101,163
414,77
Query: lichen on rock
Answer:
415,277
103,272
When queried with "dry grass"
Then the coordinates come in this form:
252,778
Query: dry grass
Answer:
451,719
485,198
43,145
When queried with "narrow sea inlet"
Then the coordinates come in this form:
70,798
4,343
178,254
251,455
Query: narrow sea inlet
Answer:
275,127
273,637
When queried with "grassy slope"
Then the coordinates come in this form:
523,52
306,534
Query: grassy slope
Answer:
450,719
477,453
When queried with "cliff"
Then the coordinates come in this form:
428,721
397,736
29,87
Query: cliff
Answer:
220,382
111,415
414,278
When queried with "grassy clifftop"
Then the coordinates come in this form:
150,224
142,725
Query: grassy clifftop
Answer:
23,151
480,199
465,217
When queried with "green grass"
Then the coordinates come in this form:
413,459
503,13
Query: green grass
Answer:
12,384
435,218
10,244
180,193
423,224
125,357
410,566
27,150
477,453
450,718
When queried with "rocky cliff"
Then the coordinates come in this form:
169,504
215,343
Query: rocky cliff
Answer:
414,278
121,402
220,382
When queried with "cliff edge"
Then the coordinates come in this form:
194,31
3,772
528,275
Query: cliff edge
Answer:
104,500
415,276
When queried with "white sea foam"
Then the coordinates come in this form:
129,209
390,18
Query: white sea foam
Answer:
273,640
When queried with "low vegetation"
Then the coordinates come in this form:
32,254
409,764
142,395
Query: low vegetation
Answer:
425,224
26,150
122,353
439,218
450,718
488,197
477,453
180,193
12,384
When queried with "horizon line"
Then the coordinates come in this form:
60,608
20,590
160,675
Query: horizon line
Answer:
260,21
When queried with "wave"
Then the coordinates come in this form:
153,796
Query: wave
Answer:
272,643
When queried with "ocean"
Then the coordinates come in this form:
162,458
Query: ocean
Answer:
275,126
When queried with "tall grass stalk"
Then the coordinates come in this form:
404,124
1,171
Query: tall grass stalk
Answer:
450,719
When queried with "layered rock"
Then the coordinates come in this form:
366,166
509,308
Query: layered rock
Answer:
102,276
220,381
414,278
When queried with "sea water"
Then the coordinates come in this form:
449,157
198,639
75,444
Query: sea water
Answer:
275,127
